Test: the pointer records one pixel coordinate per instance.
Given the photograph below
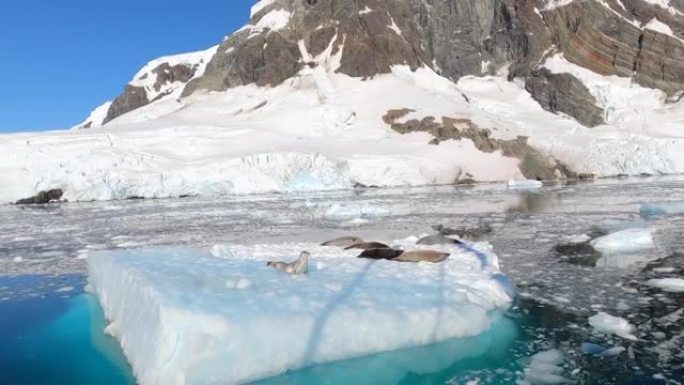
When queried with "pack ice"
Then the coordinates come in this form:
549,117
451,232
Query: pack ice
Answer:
221,316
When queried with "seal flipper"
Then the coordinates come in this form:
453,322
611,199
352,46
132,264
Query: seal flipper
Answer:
380,253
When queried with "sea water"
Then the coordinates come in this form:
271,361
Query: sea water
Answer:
52,333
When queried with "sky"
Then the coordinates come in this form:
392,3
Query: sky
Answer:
59,59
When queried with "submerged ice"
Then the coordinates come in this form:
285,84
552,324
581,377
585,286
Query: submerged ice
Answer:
188,316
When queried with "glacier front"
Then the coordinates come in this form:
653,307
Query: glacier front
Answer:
190,316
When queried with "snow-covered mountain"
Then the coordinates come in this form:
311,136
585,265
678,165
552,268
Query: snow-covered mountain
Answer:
327,94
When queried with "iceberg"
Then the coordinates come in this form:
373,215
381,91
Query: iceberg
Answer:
649,210
608,324
190,316
524,184
626,247
672,285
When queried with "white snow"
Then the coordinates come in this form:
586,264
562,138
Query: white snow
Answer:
311,133
274,20
146,78
608,324
652,142
258,6
673,285
322,130
659,26
365,10
623,101
96,117
553,4
665,4
187,316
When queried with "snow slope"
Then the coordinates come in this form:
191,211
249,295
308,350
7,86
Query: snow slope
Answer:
186,316
321,130
248,140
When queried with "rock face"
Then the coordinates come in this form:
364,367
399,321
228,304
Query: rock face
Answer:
564,93
453,37
533,164
132,98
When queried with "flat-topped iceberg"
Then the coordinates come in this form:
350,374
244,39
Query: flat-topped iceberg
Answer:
188,316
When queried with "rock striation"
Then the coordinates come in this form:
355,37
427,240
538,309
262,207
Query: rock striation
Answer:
453,37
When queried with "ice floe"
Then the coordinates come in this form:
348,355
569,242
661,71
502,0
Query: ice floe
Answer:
192,316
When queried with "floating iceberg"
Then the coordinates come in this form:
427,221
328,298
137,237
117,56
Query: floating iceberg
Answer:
658,209
545,368
626,247
672,285
608,324
187,316
524,184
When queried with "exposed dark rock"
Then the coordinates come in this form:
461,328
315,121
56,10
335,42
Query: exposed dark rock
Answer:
42,197
267,59
132,98
533,164
564,93
598,38
455,38
169,74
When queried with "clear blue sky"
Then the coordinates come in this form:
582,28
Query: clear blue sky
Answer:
61,58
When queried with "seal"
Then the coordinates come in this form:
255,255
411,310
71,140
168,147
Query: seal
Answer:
422,256
300,266
343,241
438,239
368,246
380,253
405,256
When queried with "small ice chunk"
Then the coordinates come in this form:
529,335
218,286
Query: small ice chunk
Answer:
624,241
17,259
592,348
614,351
664,269
545,368
672,285
658,209
577,238
608,324
524,183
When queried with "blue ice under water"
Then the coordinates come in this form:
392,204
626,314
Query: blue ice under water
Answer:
57,339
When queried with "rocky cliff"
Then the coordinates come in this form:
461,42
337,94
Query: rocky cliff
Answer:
637,39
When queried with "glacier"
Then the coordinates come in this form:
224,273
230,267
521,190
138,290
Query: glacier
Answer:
188,316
